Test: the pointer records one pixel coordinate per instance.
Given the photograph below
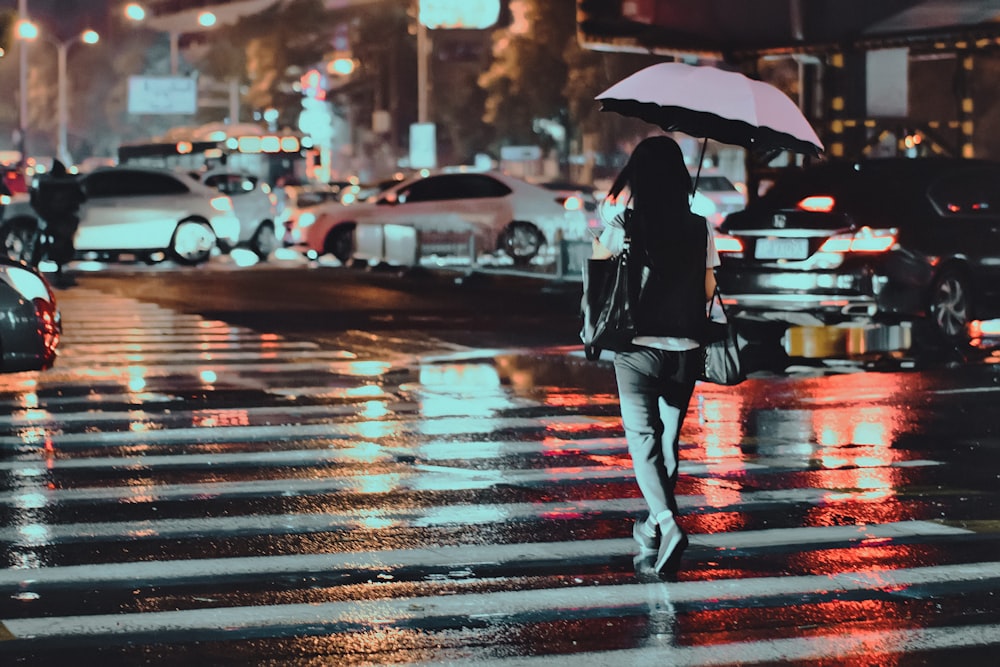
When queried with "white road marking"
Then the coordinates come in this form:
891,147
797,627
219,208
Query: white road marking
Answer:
153,572
563,600
793,650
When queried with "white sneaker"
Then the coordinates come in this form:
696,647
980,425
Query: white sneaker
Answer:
646,535
673,541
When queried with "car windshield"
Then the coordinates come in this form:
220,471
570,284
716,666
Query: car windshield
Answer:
715,184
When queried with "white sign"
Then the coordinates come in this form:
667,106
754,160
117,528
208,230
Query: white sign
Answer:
520,153
162,95
886,86
423,146
468,14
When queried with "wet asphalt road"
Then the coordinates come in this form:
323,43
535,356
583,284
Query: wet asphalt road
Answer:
299,471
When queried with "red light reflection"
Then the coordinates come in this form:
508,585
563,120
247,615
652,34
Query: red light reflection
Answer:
209,418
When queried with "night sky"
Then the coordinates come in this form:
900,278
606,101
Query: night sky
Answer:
65,18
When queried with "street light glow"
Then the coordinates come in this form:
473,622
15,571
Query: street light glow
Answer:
206,19
90,37
135,12
27,30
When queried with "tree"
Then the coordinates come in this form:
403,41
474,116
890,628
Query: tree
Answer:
525,81
268,51
540,73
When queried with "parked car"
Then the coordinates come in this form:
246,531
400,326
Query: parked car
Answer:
353,193
254,204
877,241
142,212
30,325
716,197
501,212
299,202
12,177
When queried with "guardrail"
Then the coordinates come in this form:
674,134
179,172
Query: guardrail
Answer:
405,246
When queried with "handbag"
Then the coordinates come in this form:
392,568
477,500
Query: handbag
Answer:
607,306
723,364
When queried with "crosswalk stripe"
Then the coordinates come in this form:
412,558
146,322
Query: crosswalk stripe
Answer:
352,450
370,429
153,357
867,645
435,515
154,572
414,477
494,604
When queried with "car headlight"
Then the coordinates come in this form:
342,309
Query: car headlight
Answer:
222,204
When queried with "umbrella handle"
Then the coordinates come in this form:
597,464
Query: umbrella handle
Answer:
701,159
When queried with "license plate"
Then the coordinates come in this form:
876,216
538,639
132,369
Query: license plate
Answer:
781,249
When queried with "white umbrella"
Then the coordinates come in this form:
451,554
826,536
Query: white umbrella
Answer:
711,103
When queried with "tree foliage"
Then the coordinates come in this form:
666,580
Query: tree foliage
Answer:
268,50
539,71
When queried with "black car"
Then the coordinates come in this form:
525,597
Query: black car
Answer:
30,323
876,241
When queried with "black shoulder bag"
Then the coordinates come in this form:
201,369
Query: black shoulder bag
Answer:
607,306
723,364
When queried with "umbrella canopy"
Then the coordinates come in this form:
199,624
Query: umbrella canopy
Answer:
711,103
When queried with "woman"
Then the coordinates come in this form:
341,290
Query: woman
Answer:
676,252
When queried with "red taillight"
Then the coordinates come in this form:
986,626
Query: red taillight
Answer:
817,204
727,243
865,239
49,328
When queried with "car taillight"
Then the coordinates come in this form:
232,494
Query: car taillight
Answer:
49,328
817,204
727,243
865,239
222,204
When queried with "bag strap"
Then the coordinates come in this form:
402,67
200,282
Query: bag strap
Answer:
626,227
716,298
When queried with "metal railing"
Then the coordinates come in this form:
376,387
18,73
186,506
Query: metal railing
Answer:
405,246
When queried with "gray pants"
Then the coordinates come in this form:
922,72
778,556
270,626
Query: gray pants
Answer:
654,389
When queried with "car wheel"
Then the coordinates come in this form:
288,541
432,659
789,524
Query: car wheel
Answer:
522,241
340,243
20,238
192,242
265,240
949,305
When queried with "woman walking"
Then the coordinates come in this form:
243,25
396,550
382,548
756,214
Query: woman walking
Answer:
676,253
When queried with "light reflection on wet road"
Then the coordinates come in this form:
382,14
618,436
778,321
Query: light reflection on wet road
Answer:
179,490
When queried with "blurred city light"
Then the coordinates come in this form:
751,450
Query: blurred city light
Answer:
135,12
470,14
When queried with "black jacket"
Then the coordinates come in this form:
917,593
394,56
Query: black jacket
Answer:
671,299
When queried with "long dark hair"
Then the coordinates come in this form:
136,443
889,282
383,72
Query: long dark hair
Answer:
659,190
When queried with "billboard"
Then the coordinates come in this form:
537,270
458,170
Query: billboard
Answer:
162,95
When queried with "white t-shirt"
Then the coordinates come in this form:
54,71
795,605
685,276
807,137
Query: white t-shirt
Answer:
613,238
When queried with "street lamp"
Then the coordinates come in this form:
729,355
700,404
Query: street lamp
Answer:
136,12
29,31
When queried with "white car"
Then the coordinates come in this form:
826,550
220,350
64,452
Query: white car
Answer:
254,204
498,211
717,197
140,212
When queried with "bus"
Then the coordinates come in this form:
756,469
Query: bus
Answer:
276,158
